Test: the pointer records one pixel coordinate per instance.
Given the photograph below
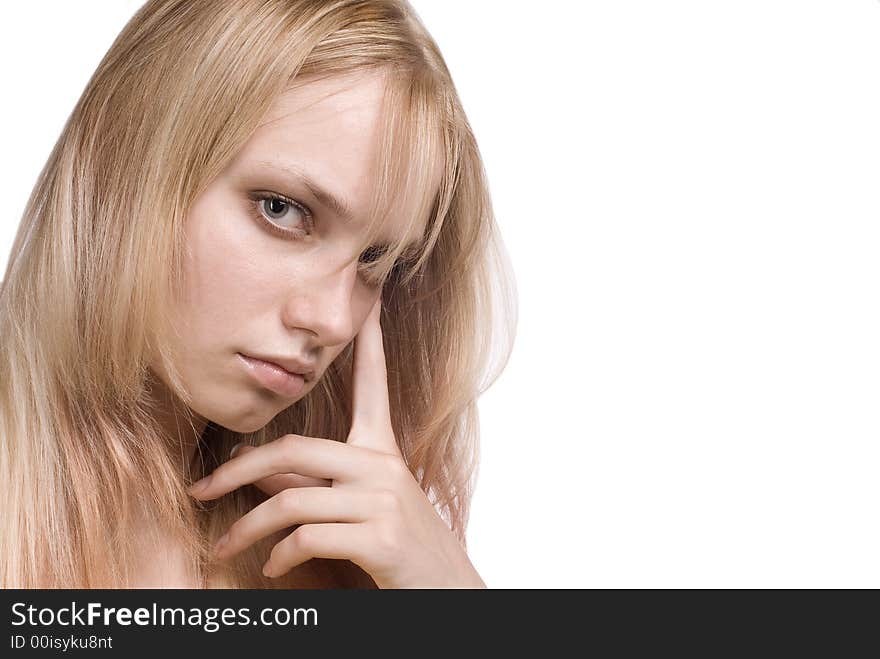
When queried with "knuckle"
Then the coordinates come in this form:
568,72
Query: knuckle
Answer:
288,500
388,501
291,442
303,539
395,466
387,540
290,445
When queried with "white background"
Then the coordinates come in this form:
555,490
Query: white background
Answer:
689,195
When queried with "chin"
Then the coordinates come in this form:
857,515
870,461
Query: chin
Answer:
247,428
248,425
256,418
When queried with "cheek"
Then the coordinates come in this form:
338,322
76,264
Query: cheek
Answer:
222,273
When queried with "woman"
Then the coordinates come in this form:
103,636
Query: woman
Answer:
265,226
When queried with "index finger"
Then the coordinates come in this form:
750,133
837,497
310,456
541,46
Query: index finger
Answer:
371,411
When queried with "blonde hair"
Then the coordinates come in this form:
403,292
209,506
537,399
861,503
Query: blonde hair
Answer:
96,263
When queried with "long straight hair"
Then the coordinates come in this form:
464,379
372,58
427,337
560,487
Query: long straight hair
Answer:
97,260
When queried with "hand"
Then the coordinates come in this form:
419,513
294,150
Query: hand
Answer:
374,513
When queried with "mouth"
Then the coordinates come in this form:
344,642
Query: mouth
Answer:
274,377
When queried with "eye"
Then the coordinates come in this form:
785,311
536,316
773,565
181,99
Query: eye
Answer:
281,215
275,212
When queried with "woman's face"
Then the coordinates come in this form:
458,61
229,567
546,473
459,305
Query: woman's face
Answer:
267,278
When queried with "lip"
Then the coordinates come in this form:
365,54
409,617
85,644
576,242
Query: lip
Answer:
274,376
288,364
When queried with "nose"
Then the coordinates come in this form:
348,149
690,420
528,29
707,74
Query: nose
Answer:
322,303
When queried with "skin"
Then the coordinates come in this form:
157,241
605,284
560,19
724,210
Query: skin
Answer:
373,513
252,291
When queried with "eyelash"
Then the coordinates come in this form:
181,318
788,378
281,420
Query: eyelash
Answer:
288,234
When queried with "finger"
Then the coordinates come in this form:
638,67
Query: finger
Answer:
344,541
307,456
303,505
371,411
272,485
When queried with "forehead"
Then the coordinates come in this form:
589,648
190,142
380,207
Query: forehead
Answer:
322,135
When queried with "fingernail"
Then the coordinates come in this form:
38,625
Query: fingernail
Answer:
268,571
235,449
221,543
199,486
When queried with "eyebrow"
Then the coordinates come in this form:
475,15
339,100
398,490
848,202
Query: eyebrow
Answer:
336,204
